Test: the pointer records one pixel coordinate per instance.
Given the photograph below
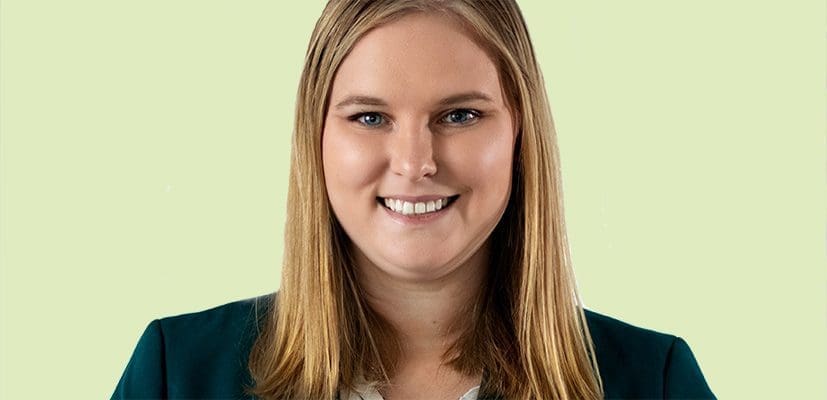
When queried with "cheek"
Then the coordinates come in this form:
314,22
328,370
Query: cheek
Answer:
486,164
349,163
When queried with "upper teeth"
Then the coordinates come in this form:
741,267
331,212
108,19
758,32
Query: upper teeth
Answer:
408,208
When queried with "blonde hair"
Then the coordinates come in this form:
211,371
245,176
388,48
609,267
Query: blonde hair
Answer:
527,333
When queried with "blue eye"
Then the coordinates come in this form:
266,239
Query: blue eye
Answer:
369,119
461,117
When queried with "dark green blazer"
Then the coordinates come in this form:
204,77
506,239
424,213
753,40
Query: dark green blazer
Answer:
203,355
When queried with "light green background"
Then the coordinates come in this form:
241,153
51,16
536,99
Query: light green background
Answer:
145,162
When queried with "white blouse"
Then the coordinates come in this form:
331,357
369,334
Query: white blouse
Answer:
367,392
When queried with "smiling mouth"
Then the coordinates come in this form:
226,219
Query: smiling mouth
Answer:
416,208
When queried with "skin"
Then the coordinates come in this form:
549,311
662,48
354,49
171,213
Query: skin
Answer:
418,276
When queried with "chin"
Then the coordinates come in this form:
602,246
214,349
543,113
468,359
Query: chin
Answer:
418,269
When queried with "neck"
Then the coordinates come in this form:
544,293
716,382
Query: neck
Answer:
429,314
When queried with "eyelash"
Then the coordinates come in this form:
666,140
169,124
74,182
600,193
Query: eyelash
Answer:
473,116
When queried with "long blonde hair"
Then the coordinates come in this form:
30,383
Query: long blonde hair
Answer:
527,333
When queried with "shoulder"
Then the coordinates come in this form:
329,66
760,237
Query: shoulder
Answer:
627,341
220,336
219,321
640,362
198,354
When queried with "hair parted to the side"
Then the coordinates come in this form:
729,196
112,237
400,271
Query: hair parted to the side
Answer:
527,332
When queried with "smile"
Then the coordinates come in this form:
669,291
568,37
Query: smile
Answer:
416,208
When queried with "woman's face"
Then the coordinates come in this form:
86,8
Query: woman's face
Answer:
417,117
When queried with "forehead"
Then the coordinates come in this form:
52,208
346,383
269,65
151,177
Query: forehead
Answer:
417,58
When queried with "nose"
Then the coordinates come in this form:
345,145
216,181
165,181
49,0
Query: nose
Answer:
412,153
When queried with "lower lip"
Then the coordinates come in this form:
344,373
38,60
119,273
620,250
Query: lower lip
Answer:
417,219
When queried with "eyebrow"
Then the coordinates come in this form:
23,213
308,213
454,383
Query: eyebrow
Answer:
453,99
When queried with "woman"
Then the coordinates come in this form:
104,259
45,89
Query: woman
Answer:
425,246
